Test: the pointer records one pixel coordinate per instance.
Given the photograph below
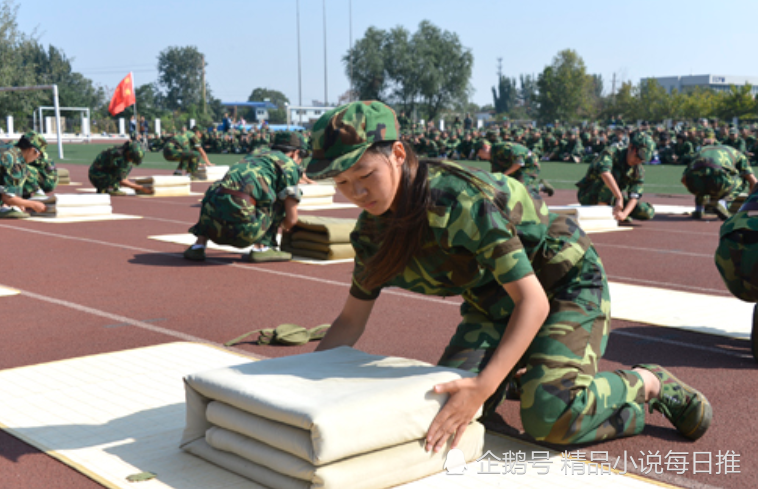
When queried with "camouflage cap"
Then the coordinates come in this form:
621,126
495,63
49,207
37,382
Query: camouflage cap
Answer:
342,135
37,141
644,144
292,139
135,152
737,256
734,130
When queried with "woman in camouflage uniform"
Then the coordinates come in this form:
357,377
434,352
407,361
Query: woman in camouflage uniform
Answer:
111,168
536,301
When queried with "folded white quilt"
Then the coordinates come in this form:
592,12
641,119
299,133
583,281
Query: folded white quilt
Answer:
343,402
377,469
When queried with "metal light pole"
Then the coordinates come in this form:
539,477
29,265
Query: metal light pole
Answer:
299,76
350,10
326,83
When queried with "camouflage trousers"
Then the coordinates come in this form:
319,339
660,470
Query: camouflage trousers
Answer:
228,220
601,194
37,178
103,181
188,160
564,399
713,184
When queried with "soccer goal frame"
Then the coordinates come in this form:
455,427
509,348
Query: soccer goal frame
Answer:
56,107
39,124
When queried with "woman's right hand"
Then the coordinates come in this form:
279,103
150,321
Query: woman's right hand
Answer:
36,206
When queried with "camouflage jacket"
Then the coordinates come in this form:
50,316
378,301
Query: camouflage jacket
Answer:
729,159
738,144
478,239
12,170
684,149
505,155
41,174
629,178
572,148
736,257
263,175
188,141
111,162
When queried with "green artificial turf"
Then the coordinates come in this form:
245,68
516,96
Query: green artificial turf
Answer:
659,179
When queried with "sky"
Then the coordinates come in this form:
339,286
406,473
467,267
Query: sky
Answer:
253,43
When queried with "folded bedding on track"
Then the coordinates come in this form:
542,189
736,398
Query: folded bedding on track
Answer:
323,238
334,419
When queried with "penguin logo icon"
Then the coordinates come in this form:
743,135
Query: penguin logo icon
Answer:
455,462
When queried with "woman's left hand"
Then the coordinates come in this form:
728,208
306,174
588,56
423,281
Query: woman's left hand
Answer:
466,397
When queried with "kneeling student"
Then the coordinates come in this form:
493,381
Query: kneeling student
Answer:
13,173
255,198
111,168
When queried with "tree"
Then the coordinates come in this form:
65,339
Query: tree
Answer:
444,67
429,70
149,101
275,116
527,95
15,50
505,96
179,76
401,67
737,102
653,102
564,88
368,71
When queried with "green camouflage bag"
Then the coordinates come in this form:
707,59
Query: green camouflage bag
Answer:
285,334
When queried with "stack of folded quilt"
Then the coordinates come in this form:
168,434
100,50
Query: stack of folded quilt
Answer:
323,238
76,205
334,420
64,177
166,185
589,217
316,195
215,173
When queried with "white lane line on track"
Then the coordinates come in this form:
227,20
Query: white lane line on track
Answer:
667,284
324,281
125,320
655,250
235,265
683,344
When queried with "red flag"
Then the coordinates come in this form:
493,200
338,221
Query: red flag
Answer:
124,96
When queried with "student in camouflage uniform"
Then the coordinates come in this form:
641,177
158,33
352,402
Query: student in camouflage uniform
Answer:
517,162
572,150
715,177
185,148
111,168
737,254
615,171
737,257
536,300
41,176
248,205
735,141
14,159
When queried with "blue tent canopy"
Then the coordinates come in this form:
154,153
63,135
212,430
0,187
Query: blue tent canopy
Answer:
257,105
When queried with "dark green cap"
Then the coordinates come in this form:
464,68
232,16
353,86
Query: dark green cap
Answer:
36,140
342,135
292,139
644,144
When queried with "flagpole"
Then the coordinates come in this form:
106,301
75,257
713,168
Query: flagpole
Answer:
136,119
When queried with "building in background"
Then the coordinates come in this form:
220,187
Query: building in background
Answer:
717,83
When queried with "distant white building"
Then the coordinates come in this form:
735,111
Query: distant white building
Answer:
714,82
306,114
